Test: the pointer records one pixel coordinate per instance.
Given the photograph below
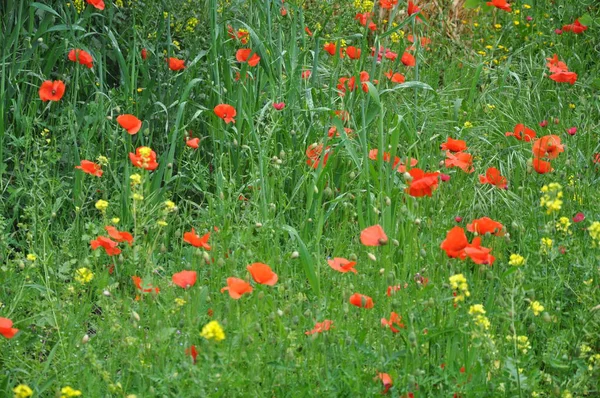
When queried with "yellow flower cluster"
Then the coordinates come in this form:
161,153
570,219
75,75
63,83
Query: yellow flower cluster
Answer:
213,331
546,245
536,307
594,231
551,199
22,391
84,275
363,5
478,313
398,35
522,342
516,260
191,24
458,283
102,205
563,225
68,392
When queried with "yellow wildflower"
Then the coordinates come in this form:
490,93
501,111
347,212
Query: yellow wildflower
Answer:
213,331
516,260
68,392
536,307
84,275
22,391
102,205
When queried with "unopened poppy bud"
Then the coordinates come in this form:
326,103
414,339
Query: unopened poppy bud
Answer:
417,221
412,338
220,262
352,257
106,293
206,257
310,220
383,241
261,295
388,201
282,154
316,189
352,175
423,253
274,158
163,248
53,215
546,317
121,259
381,271
395,242
40,40
85,339
295,254
258,225
135,316
328,193
372,257
235,142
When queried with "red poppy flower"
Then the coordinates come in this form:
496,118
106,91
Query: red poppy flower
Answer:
333,132
184,279
262,273
283,12
197,241
90,168
576,27
144,54
242,56
225,112
548,146
320,327
342,265
455,243
373,236
6,328
363,18
412,9
353,52
462,160
425,41
144,158
386,380
52,90
564,77
453,145
130,123
305,74
387,4
119,236
492,176
501,4
110,246
579,217
314,152
191,351
237,287
408,59
99,4
395,77
278,105
422,183
541,166
479,254
362,301
308,31
330,48
522,133
81,56
486,225
555,65
395,319
176,64
137,281
193,142
398,164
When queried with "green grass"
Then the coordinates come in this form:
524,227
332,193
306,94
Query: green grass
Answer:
249,185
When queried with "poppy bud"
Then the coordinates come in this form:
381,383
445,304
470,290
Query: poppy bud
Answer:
258,225
546,317
295,254
220,262
106,293
423,253
407,176
417,221
372,257
352,257
316,189
382,241
352,175
163,248
85,339
388,201
310,220
381,271
328,193
412,338
531,328
206,257
282,154
261,295
458,219
395,242
572,131
40,40
135,316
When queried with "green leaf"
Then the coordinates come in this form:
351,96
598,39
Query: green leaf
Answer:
472,3
586,19
44,7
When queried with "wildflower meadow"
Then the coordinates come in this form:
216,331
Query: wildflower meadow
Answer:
300,198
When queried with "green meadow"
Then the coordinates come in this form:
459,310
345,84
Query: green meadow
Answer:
244,198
